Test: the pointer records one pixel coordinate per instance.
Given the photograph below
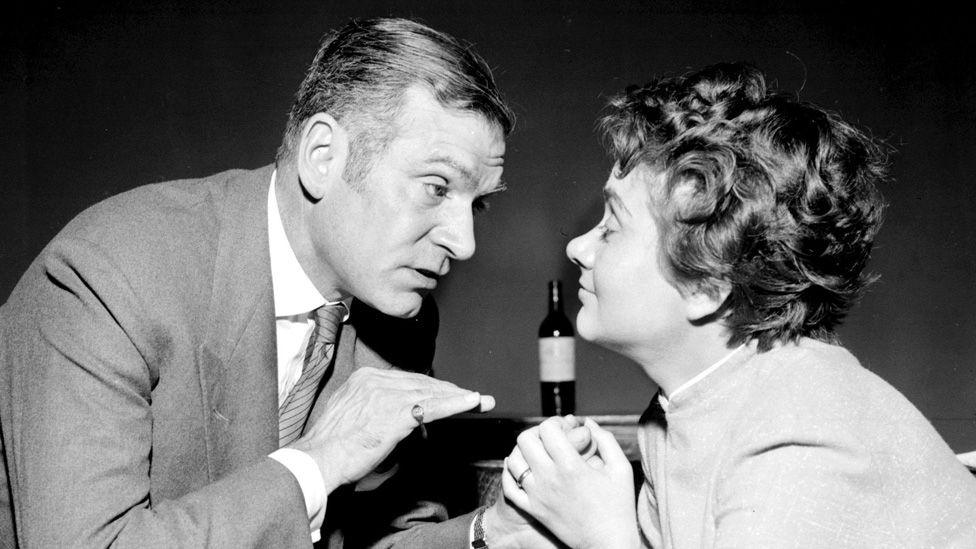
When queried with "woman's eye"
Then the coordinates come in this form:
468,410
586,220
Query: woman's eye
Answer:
607,227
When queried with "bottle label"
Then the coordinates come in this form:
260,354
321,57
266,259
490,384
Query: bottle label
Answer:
557,359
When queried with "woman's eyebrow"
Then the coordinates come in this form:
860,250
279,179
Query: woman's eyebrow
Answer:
612,199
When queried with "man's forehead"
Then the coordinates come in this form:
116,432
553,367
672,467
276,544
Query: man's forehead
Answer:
418,102
496,156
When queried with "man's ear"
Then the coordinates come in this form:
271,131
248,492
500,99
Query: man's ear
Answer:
704,303
322,152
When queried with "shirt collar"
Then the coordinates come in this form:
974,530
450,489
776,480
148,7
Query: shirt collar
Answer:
666,400
294,293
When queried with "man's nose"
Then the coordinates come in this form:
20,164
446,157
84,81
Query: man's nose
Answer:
456,235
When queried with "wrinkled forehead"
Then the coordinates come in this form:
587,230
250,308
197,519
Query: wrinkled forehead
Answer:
462,142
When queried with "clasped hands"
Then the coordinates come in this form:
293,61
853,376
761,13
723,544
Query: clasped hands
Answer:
566,479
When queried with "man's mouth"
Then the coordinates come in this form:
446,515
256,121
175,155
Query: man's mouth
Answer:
431,278
429,274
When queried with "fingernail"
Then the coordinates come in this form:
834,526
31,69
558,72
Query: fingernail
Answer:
488,404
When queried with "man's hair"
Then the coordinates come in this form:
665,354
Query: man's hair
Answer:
774,198
360,75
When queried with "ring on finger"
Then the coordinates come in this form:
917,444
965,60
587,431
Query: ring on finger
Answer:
521,478
418,414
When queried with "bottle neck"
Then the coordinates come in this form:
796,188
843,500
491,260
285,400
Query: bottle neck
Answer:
555,297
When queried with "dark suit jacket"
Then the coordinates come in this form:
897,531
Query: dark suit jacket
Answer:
138,384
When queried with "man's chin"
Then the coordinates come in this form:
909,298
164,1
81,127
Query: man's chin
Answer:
400,306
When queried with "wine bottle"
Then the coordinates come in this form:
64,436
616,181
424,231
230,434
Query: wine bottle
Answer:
557,357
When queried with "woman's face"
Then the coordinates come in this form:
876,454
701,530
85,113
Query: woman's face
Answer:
628,304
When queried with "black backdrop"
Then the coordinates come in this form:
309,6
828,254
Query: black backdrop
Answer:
97,100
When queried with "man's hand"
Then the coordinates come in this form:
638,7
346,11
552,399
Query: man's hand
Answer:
370,413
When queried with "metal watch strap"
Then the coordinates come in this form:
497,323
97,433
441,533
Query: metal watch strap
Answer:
479,541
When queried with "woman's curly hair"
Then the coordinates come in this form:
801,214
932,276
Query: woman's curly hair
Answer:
769,197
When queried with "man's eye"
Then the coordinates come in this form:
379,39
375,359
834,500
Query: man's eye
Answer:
436,190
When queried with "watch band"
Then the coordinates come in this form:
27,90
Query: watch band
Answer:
479,541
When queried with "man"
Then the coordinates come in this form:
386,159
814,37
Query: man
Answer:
161,357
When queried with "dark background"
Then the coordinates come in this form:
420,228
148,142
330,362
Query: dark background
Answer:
97,100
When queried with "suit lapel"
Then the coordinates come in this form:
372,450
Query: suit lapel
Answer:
237,361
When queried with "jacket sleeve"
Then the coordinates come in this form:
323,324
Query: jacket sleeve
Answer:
78,425
410,510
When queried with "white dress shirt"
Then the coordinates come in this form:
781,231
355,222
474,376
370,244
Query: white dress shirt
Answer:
295,298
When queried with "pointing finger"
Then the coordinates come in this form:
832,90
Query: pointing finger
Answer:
440,407
487,403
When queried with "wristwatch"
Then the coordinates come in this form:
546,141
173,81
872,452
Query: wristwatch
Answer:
479,541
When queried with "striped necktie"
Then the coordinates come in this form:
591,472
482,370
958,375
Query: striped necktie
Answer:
293,412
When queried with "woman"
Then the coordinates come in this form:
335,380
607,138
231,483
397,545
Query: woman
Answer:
736,229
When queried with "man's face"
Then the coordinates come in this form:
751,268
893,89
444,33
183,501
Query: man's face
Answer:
389,238
627,302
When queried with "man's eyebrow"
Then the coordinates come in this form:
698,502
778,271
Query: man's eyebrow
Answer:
466,174
613,199
499,188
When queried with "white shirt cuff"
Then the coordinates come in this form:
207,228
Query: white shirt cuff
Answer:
309,478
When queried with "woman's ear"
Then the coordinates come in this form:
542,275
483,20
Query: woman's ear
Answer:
706,300
322,153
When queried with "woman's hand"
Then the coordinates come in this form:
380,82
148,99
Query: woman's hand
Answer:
586,501
508,526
